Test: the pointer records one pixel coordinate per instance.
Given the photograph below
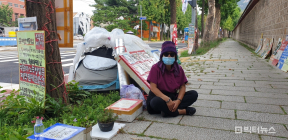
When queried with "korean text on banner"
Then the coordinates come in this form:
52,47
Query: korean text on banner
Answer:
283,58
32,64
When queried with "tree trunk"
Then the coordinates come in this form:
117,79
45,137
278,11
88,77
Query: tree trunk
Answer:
196,35
217,21
210,20
224,33
173,11
202,18
161,32
45,12
150,24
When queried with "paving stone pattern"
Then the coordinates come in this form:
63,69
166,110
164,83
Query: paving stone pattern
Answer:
236,88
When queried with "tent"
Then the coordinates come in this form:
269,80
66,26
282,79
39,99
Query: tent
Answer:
94,66
98,70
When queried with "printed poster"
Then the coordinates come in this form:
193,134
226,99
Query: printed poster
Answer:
32,64
138,65
267,52
27,24
279,52
259,45
191,38
59,131
275,51
174,35
283,58
266,44
285,65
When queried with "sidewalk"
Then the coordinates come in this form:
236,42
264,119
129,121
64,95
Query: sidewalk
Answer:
236,90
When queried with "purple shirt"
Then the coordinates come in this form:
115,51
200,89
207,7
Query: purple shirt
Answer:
166,82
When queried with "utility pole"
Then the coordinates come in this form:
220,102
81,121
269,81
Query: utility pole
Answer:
141,19
191,37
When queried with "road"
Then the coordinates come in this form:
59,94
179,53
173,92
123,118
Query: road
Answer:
9,65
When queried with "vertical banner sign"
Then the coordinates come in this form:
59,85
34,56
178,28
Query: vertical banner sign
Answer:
32,64
174,34
191,38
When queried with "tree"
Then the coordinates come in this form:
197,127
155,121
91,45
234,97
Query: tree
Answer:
228,25
208,33
44,10
116,13
204,9
152,10
6,13
173,4
228,7
236,15
223,8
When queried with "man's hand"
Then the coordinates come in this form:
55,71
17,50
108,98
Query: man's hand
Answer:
177,102
170,105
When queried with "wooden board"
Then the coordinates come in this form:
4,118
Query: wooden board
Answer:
64,20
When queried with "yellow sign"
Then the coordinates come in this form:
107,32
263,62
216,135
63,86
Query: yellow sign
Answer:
64,18
32,64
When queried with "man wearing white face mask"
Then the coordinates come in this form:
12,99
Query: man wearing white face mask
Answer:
166,78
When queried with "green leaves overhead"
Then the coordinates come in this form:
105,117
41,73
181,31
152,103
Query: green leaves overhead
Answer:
228,8
228,24
116,14
6,13
159,11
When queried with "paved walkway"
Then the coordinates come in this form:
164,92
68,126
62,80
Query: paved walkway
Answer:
236,90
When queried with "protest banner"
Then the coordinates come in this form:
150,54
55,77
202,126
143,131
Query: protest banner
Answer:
32,64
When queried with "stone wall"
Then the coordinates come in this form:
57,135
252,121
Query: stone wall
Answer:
269,17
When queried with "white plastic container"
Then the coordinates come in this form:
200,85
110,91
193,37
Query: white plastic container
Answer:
127,109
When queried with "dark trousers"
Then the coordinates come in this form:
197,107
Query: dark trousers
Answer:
156,104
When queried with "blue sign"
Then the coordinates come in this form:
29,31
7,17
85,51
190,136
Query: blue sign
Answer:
59,131
283,58
142,18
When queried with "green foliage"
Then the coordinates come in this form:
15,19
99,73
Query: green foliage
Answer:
228,24
6,13
55,108
204,47
107,116
16,114
183,20
199,3
228,8
75,94
199,23
236,15
109,12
